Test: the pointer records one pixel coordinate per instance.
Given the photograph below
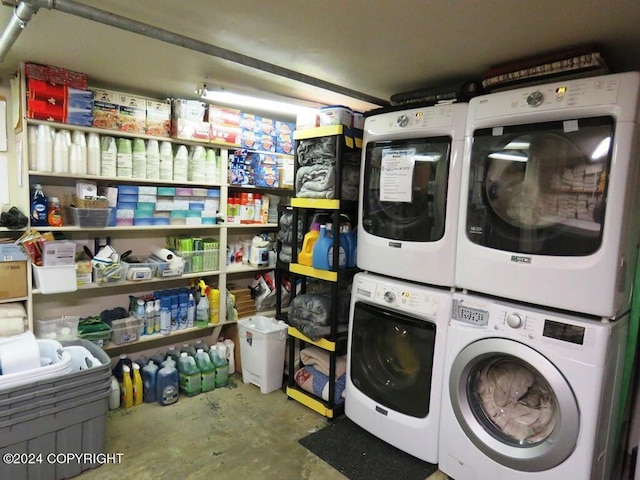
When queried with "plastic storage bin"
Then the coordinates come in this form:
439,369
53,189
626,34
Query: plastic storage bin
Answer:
87,217
262,346
57,279
59,415
125,330
62,328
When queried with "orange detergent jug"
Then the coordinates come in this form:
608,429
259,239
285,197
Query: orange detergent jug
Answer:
305,257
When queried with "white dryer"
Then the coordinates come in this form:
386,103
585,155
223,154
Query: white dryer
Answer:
529,393
549,195
397,335
409,190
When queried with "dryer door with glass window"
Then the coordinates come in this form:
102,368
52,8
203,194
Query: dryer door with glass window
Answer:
405,189
392,358
540,188
514,404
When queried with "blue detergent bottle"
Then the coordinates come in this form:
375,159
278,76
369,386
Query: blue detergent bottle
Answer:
149,377
320,257
167,383
348,243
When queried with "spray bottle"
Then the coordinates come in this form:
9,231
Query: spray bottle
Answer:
202,309
214,304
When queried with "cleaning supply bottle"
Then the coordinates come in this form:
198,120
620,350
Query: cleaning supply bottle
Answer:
173,354
191,310
167,383
126,388
207,371
119,366
55,212
140,314
188,375
214,305
136,381
231,355
165,315
149,377
39,207
149,317
347,243
200,345
189,349
305,257
320,258
222,366
202,310
114,395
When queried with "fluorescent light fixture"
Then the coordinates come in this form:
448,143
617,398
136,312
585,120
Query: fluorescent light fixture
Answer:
290,106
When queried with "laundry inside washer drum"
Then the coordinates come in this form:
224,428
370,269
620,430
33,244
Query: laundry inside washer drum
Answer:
515,399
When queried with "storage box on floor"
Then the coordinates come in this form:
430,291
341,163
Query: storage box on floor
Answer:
262,347
61,415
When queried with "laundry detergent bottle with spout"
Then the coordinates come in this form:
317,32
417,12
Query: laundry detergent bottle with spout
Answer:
167,383
305,257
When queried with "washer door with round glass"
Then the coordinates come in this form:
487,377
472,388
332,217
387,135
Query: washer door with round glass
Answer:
514,404
392,358
405,189
540,188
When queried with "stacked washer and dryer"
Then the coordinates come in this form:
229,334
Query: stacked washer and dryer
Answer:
537,311
400,307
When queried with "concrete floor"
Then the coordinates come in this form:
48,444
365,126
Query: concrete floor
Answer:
229,433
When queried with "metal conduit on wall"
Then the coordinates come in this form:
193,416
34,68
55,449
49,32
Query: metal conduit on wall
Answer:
24,11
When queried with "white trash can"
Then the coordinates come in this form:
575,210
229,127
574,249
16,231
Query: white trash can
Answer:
262,348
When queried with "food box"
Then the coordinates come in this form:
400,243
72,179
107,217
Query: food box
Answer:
105,109
185,129
187,110
226,135
132,114
158,122
224,116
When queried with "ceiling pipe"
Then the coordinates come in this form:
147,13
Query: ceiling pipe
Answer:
22,13
117,21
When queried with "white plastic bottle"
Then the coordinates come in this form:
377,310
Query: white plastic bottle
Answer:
114,395
231,354
93,153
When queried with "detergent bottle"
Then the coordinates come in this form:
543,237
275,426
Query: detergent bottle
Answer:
222,366
136,381
202,309
320,259
188,375
149,374
167,383
126,388
214,304
306,254
207,371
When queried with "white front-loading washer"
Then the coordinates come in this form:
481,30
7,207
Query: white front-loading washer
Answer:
409,191
529,393
549,195
397,334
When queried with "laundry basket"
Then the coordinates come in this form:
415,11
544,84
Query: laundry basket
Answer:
262,347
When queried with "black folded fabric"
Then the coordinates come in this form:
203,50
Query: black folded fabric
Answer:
14,218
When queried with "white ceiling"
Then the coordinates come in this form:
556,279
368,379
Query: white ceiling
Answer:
376,47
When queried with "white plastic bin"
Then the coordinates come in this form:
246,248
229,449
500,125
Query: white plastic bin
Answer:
262,348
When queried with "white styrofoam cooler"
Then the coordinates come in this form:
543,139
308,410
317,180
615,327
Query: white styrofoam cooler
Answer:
262,349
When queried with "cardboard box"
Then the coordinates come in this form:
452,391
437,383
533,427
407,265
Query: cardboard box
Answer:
132,114
158,118
187,110
223,134
223,116
13,279
190,130
105,109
